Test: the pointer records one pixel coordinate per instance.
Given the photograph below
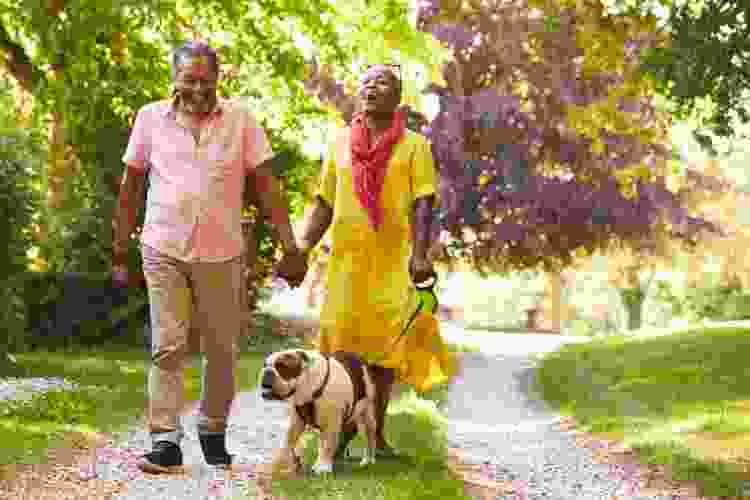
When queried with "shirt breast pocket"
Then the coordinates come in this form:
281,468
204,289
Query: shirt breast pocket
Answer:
167,153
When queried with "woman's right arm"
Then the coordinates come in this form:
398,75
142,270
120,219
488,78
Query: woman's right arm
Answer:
316,225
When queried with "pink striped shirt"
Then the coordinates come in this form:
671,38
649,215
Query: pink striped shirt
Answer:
194,202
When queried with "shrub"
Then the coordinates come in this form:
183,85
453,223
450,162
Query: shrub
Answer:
18,201
714,302
82,309
737,307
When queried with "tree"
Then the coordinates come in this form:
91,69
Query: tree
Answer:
93,80
548,139
704,70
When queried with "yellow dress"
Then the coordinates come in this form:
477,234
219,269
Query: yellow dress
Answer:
370,297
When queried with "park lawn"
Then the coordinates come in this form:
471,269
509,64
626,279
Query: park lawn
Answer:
681,399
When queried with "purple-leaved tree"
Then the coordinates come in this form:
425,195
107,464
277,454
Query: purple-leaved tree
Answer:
534,167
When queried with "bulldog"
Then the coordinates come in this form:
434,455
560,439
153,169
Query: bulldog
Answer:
325,393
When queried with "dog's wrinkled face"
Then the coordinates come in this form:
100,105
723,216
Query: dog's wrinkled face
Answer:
281,374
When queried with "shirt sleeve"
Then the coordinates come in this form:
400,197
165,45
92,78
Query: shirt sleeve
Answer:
256,143
327,186
424,181
138,152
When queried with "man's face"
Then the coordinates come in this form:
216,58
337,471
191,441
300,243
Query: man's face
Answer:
196,83
379,91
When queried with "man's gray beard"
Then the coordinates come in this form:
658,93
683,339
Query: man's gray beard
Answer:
189,106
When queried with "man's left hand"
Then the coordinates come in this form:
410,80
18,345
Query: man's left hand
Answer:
293,268
421,269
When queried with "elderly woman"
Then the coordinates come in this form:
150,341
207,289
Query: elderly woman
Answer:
377,192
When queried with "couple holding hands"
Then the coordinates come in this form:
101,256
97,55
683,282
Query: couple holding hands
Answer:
376,195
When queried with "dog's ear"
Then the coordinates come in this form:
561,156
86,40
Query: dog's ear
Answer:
289,365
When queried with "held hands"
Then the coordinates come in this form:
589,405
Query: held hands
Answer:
293,267
420,268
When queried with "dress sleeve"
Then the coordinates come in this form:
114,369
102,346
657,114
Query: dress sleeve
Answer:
424,181
138,152
327,186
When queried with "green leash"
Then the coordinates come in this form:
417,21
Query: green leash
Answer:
427,301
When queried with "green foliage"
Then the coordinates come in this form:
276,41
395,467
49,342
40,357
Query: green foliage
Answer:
707,62
737,307
713,302
664,293
41,290
18,200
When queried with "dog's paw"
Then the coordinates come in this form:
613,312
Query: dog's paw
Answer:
322,469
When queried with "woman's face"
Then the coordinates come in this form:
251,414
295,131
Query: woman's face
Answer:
379,91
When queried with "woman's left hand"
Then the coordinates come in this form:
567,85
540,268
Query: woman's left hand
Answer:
421,269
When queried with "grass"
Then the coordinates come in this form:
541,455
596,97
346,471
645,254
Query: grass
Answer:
112,395
680,399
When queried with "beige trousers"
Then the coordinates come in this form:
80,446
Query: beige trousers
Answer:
186,299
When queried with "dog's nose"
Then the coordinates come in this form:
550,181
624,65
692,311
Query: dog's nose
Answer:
267,380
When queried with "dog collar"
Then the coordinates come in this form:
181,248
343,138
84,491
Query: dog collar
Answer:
306,411
319,392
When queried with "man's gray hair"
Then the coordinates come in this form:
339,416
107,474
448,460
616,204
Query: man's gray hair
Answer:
191,50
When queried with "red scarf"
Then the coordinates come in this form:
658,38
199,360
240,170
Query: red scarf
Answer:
369,163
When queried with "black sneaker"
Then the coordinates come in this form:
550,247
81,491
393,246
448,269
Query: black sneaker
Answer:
165,458
215,451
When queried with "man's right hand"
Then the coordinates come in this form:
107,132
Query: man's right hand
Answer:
293,267
120,274
120,277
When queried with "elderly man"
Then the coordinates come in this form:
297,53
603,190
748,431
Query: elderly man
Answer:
377,191
197,150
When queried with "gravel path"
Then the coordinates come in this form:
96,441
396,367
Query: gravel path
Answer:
492,416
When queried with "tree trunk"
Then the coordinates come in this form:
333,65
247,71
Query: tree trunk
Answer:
56,171
552,306
633,300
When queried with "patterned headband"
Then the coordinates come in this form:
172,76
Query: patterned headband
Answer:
395,69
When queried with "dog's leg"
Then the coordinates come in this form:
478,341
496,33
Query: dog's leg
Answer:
296,428
366,425
331,422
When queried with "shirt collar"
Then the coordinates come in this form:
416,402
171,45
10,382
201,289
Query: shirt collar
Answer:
170,109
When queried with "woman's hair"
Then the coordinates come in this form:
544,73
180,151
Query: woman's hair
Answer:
191,50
